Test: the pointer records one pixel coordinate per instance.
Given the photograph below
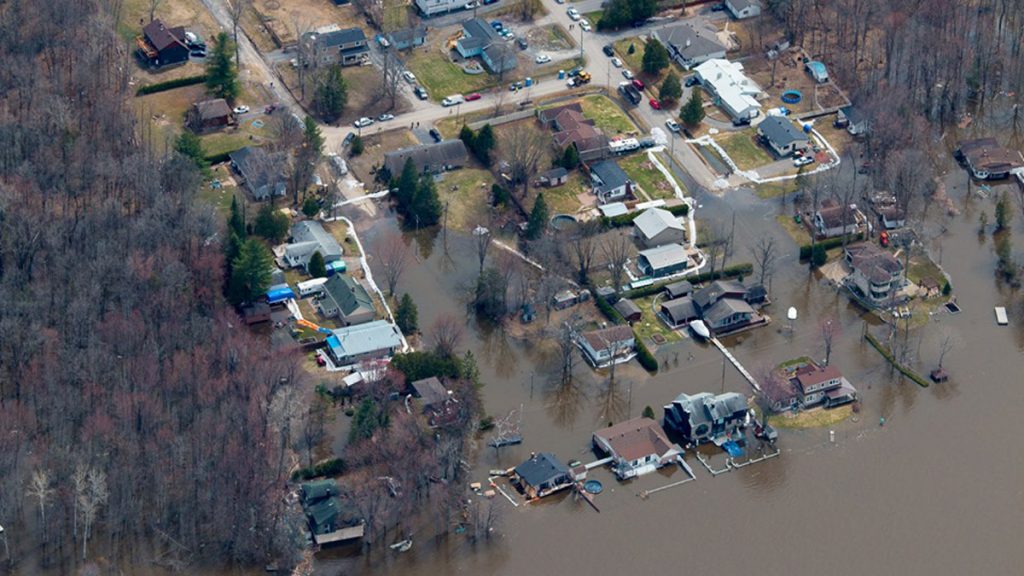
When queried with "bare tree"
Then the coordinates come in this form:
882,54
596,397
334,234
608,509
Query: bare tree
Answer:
153,5
39,488
446,334
483,239
616,249
393,254
945,347
764,258
90,500
829,329
391,76
776,391
584,248
237,9
314,427
524,146
567,354
716,242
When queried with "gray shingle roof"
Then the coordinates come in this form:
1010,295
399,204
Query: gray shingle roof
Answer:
654,221
664,256
360,339
781,131
542,468
338,38
610,175
711,293
690,41
427,157
308,237
727,307
408,34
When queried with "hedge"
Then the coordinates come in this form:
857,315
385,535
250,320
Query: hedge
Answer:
644,356
627,219
609,311
331,467
734,271
218,158
170,84
892,360
805,250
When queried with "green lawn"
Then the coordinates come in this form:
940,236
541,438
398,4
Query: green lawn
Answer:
775,189
221,142
746,153
642,171
649,323
922,267
606,115
796,231
442,78
220,199
564,199
633,61
467,193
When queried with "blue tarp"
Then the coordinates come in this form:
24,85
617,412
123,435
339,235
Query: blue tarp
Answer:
276,295
733,448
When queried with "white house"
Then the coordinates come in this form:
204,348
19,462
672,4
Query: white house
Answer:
638,446
309,236
601,347
782,136
741,9
832,220
435,7
730,87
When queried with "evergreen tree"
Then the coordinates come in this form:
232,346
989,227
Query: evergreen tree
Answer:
310,207
648,412
271,224
467,136
356,148
313,139
499,195
655,57
330,94
407,315
316,267
250,272
484,144
1004,214
425,209
671,90
231,250
236,223
570,157
189,145
366,420
538,218
693,111
221,73
405,187
818,256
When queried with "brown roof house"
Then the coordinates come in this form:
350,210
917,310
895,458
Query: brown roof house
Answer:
209,115
434,401
823,385
602,347
572,128
638,446
876,274
832,220
162,46
987,160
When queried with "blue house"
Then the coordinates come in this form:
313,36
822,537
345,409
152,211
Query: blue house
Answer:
479,39
406,38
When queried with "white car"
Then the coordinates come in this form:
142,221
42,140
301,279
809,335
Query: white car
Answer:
616,62
542,59
627,74
470,5
672,125
385,117
574,14
241,110
363,122
409,77
585,24
803,161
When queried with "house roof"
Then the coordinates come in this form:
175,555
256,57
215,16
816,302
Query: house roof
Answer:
627,308
681,288
987,154
727,307
409,34
430,391
478,28
424,156
832,216
891,212
323,513
162,37
740,5
809,379
636,439
876,264
555,173
853,114
309,236
549,114
679,309
664,256
210,109
500,56
541,468
654,221
337,38
705,407
256,166
781,131
718,289
613,209
608,337
690,41
610,175
318,490
364,338
348,294
729,83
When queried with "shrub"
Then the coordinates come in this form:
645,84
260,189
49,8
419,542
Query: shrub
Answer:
356,148
734,271
644,356
609,312
947,289
830,243
332,467
170,84
310,207
819,255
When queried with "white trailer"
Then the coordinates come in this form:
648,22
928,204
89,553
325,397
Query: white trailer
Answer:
310,287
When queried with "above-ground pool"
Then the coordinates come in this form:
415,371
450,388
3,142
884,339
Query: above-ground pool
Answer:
563,221
593,486
791,96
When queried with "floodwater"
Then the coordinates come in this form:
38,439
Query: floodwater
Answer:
937,489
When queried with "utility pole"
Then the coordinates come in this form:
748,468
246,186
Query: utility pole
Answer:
581,45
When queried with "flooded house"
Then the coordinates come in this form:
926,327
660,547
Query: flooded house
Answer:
679,312
723,305
876,275
541,475
328,518
826,386
601,347
434,401
705,417
638,446
833,220
985,159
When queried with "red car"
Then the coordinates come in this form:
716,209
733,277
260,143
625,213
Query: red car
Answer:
473,96
638,84
655,104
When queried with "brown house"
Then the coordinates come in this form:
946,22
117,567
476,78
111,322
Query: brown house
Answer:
572,128
209,115
162,46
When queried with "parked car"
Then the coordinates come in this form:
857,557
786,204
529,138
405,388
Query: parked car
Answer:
241,109
691,81
627,74
198,53
421,93
585,24
608,51
616,62
383,41
385,117
470,5
803,161
497,25
409,77
453,100
435,135
672,125
574,14
655,104
348,138
745,121
473,96
521,41
542,59
639,84
718,7
363,122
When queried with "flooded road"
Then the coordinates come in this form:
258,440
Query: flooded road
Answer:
937,489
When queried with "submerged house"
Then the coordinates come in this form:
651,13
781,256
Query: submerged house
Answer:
637,447
542,475
601,347
705,417
428,158
987,160
876,275
818,385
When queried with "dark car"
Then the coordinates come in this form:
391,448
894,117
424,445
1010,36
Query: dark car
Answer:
692,81
607,49
421,93
435,135
521,41
717,7
348,139
741,121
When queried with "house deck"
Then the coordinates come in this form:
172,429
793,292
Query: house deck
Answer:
350,533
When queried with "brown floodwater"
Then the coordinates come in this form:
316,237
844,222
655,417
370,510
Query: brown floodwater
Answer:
937,489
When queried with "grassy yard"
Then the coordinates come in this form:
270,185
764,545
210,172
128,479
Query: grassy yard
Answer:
441,77
649,324
642,171
220,199
607,115
816,418
796,231
467,193
632,61
339,230
775,189
565,199
744,151
922,267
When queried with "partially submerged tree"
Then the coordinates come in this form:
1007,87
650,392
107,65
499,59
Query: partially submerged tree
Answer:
392,253
407,315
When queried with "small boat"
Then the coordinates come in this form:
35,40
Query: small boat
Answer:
1001,318
700,329
402,546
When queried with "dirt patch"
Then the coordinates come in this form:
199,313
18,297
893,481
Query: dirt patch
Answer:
551,37
288,20
364,167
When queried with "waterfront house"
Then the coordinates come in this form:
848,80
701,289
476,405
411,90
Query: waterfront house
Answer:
832,220
678,289
782,136
161,46
985,159
370,341
637,447
690,43
876,274
679,312
541,475
817,385
628,309
435,402
307,238
731,88
346,299
705,417
657,226
709,295
728,314
663,260
435,158
601,347
328,518
742,9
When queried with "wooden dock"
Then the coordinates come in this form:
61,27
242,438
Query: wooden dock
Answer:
739,367
350,533
685,467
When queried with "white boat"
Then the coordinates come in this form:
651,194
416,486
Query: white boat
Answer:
402,546
700,329
1001,318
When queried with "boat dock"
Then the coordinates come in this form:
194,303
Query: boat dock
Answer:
598,463
350,533
686,468
736,363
